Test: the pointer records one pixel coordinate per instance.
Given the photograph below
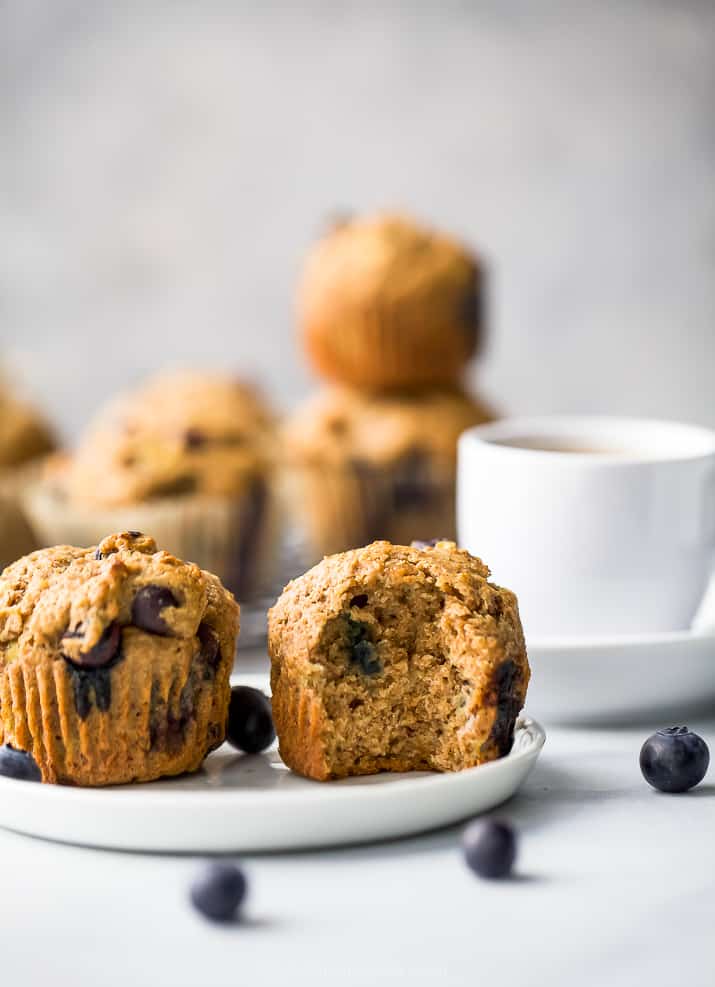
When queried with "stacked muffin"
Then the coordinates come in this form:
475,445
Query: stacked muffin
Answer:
188,457
25,439
389,313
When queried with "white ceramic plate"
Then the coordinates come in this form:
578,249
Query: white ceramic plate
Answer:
601,680
238,803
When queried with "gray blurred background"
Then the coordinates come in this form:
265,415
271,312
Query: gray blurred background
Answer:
163,166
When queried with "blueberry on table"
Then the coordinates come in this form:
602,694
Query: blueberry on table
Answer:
674,759
490,848
250,721
18,764
218,891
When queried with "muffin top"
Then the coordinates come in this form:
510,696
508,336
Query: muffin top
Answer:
77,600
24,435
451,569
338,426
180,433
387,302
342,583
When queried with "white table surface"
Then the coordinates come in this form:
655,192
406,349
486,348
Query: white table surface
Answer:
615,886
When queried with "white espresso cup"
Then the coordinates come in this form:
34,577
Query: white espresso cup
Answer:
601,526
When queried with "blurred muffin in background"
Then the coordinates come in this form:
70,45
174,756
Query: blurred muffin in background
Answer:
386,304
189,459
25,439
362,467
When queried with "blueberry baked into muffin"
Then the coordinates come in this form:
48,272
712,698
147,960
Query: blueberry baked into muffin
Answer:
114,661
387,304
25,439
368,467
190,458
389,658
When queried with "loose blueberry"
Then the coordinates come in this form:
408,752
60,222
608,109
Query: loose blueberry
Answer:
359,601
104,651
218,891
147,607
250,722
490,848
18,764
674,759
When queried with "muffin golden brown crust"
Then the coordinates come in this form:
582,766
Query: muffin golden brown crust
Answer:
189,457
179,433
386,304
25,439
24,435
390,658
369,467
114,661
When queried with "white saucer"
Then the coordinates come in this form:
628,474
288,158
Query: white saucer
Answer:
611,679
238,803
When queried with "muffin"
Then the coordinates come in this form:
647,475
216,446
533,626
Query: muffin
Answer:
25,439
187,457
390,658
385,304
114,661
364,467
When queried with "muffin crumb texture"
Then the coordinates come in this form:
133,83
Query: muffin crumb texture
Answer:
114,661
389,658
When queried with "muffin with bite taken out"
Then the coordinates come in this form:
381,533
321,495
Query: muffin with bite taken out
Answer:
389,658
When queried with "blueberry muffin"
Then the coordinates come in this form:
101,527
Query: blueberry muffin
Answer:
363,467
25,439
390,658
385,304
189,458
114,661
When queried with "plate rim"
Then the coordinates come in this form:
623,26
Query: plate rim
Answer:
655,639
318,791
